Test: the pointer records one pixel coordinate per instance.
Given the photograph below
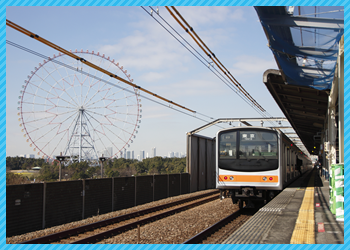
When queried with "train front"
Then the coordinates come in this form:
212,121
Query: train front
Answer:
247,164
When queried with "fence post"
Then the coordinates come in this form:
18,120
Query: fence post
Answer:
153,186
83,194
168,185
135,190
112,194
44,205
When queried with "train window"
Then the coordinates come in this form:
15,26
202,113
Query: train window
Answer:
228,145
261,144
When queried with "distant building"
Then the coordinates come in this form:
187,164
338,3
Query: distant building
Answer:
170,154
128,155
132,155
142,155
153,153
29,156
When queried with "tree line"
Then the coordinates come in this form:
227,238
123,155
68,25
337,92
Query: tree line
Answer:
86,170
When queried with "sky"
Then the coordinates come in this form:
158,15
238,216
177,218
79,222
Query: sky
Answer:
155,61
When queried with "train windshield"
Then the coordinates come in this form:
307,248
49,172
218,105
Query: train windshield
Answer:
248,150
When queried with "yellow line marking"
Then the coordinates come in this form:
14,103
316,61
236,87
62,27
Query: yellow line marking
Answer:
304,230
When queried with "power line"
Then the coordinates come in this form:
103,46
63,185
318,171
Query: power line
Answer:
221,77
102,80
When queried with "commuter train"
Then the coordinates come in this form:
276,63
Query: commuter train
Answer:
253,164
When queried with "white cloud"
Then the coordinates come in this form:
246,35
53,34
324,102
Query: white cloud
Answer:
246,65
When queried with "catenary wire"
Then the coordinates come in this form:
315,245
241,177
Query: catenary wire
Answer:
102,80
211,55
232,87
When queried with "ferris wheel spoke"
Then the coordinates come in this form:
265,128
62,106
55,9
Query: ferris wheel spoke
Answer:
108,68
110,123
106,127
101,141
62,88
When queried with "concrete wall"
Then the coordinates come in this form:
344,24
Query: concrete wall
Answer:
32,207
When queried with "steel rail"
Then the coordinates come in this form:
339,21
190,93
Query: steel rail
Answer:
107,234
208,231
74,231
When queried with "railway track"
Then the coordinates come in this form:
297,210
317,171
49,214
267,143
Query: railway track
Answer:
95,232
218,232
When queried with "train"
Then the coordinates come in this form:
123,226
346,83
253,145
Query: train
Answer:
254,164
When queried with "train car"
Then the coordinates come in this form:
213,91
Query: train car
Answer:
253,164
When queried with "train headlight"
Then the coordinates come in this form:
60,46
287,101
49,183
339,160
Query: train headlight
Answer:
264,178
231,178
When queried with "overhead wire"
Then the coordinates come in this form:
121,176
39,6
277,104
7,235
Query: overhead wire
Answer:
54,46
211,55
264,114
103,80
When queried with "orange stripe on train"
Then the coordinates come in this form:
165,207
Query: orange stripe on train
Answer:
248,178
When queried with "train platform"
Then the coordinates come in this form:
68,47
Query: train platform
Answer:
300,214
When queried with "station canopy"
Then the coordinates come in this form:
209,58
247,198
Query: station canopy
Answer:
304,41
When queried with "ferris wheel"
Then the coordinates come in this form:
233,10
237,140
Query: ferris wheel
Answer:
68,108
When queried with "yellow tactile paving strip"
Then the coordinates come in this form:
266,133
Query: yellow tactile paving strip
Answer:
304,230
